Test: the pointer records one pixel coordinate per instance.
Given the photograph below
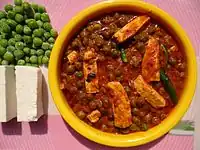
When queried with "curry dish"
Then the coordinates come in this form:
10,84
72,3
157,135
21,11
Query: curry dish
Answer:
123,73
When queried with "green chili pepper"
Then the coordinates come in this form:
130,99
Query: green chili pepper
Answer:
123,56
165,52
168,86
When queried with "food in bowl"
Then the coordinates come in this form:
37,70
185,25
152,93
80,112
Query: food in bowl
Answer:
123,73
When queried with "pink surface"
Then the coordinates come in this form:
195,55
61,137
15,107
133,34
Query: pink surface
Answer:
54,133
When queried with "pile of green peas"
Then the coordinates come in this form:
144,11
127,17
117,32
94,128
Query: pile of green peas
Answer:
26,35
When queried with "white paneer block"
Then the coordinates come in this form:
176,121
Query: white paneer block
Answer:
8,101
29,93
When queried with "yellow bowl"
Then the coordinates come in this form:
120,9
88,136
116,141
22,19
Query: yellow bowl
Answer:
73,27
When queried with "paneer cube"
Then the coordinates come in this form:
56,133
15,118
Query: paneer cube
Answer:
150,63
90,71
148,93
121,105
29,93
8,100
131,28
94,116
73,57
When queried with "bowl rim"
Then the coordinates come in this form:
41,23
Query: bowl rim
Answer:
133,139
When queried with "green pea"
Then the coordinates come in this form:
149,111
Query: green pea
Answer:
19,9
40,52
19,18
2,36
8,56
28,20
41,9
11,48
144,127
115,53
26,50
40,60
33,52
19,29
54,33
18,54
27,30
51,40
8,7
26,5
38,32
18,37
14,33
42,30
18,2
40,23
2,14
11,14
28,64
25,17
2,51
5,35
3,43
81,114
45,60
27,59
45,45
134,127
45,17
3,20
35,7
97,26
47,35
37,16
4,27
47,26
11,41
19,45
4,62
11,23
33,24
79,74
34,59
37,41
48,53
21,62
27,39
51,46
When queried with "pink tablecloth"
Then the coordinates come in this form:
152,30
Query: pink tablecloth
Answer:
53,133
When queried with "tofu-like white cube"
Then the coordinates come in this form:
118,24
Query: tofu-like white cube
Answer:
8,101
29,93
